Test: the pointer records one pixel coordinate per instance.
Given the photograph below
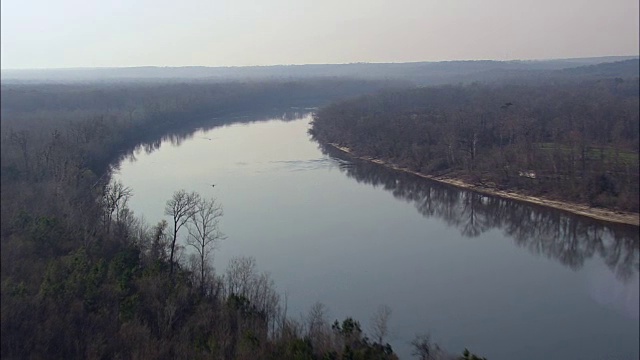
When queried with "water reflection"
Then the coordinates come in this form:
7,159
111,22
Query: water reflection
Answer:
621,296
180,134
558,235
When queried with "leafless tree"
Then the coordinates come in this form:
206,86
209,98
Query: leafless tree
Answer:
380,323
242,279
316,319
265,297
318,328
425,349
115,198
142,233
181,208
238,275
204,234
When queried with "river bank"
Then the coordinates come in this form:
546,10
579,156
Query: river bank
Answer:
575,208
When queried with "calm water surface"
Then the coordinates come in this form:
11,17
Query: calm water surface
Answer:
505,279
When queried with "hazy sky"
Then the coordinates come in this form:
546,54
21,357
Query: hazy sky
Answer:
84,33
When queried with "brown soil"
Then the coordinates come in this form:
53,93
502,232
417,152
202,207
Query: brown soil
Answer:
580,209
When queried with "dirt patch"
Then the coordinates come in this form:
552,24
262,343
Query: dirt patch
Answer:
580,209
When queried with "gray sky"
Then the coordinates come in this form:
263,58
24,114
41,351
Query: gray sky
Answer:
84,33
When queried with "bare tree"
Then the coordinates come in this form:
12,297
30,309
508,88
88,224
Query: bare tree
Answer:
316,319
243,280
181,208
318,329
424,349
265,297
380,323
115,198
204,234
240,271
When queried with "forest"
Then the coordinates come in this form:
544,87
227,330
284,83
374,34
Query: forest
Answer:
572,140
83,277
416,73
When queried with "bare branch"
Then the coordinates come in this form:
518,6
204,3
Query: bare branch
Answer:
181,208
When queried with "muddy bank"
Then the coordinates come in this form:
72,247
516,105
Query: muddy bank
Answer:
580,209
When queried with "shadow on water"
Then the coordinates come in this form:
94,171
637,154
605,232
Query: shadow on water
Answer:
567,238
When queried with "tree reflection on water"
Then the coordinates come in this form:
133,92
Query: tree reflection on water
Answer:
180,134
568,238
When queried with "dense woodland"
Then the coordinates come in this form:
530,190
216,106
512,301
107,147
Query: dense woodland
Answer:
573,140
83,277
418,73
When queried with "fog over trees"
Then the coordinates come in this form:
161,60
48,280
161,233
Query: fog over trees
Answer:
417,73
83,277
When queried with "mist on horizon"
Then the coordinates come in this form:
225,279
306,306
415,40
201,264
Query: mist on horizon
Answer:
69,34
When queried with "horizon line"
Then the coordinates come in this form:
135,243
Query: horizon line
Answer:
312,64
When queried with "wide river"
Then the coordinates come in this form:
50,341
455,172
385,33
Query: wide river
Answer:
505,279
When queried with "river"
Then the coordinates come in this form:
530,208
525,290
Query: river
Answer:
505,279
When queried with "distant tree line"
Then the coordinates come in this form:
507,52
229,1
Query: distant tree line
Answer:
575,141
416,73
83,277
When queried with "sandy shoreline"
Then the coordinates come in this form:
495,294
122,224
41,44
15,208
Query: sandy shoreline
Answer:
579,209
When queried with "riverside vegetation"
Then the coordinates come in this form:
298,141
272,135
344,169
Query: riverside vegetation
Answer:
83,277
573,141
